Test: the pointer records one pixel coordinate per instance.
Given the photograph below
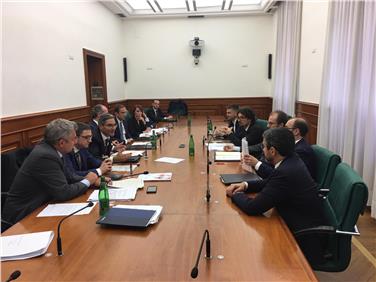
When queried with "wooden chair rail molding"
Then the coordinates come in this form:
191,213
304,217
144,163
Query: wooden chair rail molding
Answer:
211,106
27,130
310,112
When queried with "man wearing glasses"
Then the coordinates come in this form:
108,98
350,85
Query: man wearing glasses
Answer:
104,144
80,160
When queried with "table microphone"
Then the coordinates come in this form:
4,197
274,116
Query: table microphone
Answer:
208,163
15,274
194,272
59,246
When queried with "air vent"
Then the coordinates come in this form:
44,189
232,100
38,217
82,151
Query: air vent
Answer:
196,16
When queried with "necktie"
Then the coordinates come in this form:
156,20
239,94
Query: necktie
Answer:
77,156
107,147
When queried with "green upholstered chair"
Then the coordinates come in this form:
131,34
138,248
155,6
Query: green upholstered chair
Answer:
344,203
262,123
325,163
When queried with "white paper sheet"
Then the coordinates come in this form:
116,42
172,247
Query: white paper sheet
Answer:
166,176
245,151
169,160
157,209
122,168
64,209
217,146
24,246
129,183
139,143
133,152
116,195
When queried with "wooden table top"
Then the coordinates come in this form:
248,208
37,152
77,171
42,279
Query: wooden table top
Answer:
253,248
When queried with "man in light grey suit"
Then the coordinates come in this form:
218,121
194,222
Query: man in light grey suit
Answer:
43,176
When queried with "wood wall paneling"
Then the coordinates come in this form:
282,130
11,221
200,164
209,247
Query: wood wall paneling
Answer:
28,130
310,112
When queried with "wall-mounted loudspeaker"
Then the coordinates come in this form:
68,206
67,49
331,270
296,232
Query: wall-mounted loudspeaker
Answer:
125,69
270,66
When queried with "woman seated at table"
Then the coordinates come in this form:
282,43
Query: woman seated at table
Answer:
137,124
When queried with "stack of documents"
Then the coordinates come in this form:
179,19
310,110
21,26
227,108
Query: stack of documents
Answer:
122,190
140,143
122,168
227,156
24,246
134,153
65,209
217,146
166,176
157,131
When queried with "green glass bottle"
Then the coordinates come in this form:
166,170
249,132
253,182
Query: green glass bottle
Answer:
154,141
210,126
189,121
103,197
191,146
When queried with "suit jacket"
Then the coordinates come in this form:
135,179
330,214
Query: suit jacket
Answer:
154,117
292,191
97,147
303,150
117,131
135,128
253,135
42,178
88,162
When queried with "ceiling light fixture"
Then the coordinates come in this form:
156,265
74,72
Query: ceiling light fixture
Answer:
230,6
158,6
187,5
151,6
194,6
223,5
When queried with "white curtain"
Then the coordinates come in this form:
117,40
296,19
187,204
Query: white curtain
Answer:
347,119
287,56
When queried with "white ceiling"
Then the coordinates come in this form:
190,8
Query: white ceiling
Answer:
184,8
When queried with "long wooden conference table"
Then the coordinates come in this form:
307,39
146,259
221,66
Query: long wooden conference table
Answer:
243,248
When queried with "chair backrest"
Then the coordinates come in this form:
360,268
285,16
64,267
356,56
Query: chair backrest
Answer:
262,123
178,107
346,200
325,165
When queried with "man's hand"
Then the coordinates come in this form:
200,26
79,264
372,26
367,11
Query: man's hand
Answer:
121,158
226,130
106,166
228,148
119,147
92,177
98,181
250,160
235,188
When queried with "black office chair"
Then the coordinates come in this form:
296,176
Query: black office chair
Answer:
10,163
178,107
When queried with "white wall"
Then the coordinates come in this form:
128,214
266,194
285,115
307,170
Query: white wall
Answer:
314,22
42,54
233,62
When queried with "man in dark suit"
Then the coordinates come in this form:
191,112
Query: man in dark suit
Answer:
104,144
302,149
155,114
121,132
96,113
233,123
251,131
290,189
43,176
80,160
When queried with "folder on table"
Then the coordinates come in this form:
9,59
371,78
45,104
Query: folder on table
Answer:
228,179
123,217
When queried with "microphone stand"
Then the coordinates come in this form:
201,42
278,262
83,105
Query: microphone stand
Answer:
194,272
208,163
58,242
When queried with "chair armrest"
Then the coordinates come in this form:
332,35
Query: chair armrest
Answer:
324,229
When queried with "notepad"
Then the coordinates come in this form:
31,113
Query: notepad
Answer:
227,156
64,209
24,246
125,217
166,176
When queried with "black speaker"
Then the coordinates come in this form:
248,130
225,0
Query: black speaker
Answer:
125,69
270,66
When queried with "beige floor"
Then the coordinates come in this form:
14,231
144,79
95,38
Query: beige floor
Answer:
363,261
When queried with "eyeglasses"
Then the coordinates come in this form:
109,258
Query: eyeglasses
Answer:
291,128
110,125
